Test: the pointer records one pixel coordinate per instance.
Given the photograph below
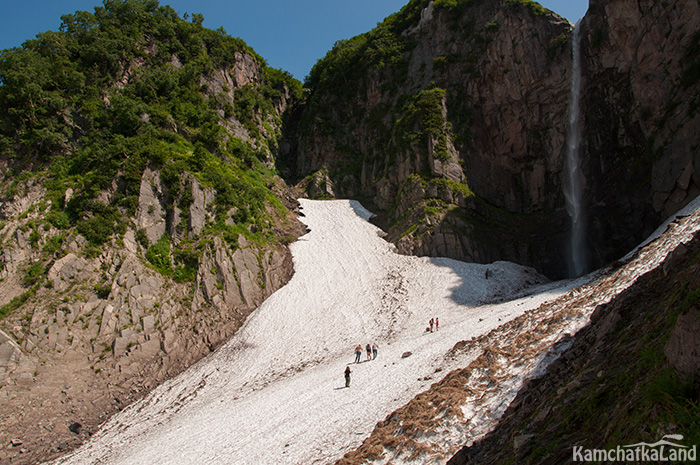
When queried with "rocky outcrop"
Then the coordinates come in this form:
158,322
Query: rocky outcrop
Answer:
14,364
153,200
230,89
641,120
100,331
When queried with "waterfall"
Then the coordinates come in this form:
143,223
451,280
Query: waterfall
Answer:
574,180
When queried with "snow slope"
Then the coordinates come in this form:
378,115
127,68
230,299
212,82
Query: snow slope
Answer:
275,393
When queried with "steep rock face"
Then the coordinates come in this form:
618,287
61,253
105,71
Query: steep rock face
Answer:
464,128
641,121
230,89
459,137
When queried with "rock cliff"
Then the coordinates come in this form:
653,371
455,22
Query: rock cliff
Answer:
641,120
451,118
455,130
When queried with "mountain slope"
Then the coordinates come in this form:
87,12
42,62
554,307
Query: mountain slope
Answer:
629,376
275,393
142,216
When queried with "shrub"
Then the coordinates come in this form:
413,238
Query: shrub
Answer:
142,238
58,219
33,274
103,290
159,255
53,244
533,7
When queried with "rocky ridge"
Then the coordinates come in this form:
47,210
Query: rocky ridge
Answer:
628,376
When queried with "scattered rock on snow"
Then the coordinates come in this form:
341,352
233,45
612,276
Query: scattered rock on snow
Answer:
406,354
75,427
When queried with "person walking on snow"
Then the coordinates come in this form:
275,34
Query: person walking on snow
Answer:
375,349
432,322
347,376
369,352
437,324
358,353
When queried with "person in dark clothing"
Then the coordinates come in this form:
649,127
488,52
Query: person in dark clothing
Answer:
369,352
375,349
347,376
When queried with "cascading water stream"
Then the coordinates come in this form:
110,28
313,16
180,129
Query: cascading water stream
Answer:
574,180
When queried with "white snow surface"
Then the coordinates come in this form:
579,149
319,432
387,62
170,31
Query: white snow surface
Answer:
275,393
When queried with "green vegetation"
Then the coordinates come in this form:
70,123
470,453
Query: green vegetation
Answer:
492,26
33,273
159,255
86,109
116,90
424,119
102,290
379,48
187,261
17,302
558,44
533,7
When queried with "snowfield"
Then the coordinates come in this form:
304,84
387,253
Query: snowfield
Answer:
275,393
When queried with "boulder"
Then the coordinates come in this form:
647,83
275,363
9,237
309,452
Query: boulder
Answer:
75,427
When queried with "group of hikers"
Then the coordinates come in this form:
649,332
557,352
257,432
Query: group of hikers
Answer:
371,350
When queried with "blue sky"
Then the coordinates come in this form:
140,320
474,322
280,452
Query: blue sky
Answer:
289,34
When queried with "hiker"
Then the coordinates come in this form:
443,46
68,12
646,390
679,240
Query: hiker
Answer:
358,353
369,352
347,376
375,349
437,324
432,322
